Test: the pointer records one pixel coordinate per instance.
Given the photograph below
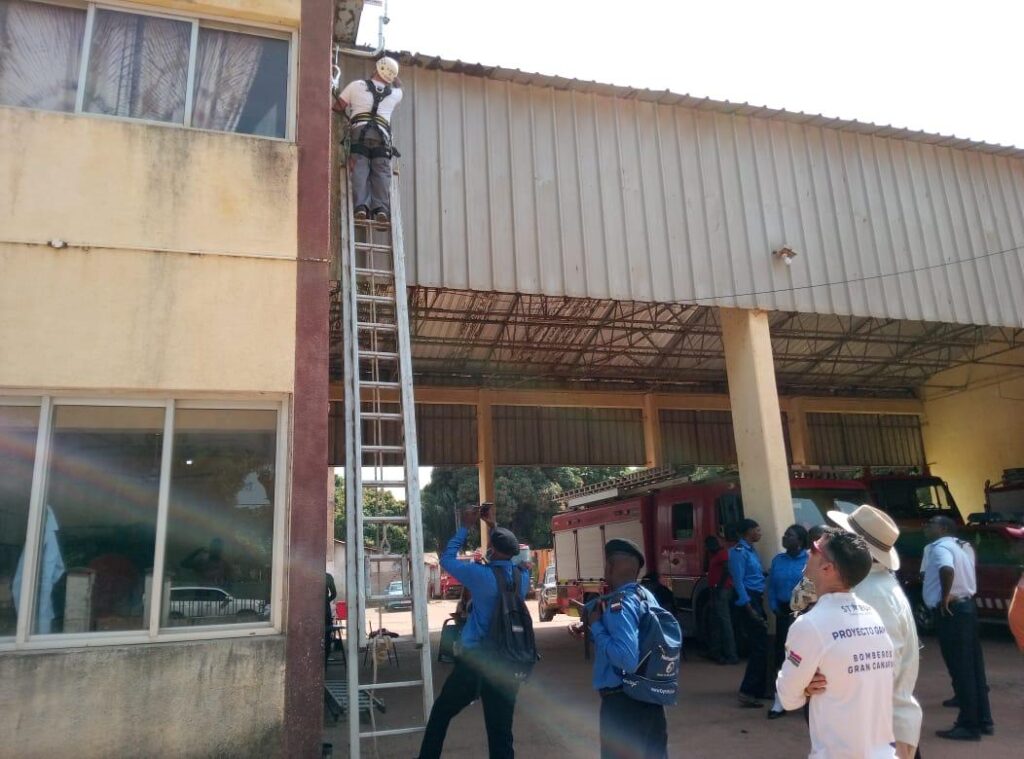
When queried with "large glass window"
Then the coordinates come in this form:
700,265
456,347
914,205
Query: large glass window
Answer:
241,83
140,66
99,519
40,54
220,523
19,427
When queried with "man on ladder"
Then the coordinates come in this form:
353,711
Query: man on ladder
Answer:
370,103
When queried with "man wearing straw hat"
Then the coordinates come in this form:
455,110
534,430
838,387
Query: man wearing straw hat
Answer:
881,591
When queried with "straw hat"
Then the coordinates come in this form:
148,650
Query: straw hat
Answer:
877,529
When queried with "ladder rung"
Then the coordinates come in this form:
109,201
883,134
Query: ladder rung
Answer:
389,299
365,272
377,326
396,731
385,520
384,355
380,384
388,597
384,483
383,449
382,686
385,557
382,415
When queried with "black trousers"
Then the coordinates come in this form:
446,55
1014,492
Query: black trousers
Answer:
961,649
472,678
632,729
754,679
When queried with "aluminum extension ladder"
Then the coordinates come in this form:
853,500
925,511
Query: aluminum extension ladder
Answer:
380,431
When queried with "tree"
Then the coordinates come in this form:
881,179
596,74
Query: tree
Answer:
523,498
390,538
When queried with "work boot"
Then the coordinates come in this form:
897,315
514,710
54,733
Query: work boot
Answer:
362,213
381,216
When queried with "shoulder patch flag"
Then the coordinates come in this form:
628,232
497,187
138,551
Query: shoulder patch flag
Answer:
794,658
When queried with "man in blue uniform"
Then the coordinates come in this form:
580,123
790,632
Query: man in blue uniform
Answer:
471,679
630,729
748,579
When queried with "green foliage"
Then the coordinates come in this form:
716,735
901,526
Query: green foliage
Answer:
523,498
376,503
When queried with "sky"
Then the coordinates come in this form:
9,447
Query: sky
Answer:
951,68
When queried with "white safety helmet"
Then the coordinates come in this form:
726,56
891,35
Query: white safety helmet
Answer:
387,69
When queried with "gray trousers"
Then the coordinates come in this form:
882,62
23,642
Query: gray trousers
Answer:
371,179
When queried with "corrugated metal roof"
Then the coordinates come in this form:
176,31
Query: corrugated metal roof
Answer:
520,183
667,97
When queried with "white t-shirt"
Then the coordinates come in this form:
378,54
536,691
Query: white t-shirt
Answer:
947,551
360,100
844,638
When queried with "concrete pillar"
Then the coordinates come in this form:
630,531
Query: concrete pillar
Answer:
652,433
757,425
799,440
485,457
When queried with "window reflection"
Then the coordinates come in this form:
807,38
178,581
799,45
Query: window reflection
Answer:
99,519
220,525
18,430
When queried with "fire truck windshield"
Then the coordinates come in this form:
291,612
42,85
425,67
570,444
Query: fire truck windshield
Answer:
811,504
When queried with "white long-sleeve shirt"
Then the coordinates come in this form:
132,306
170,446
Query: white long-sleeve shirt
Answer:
881,591
845,639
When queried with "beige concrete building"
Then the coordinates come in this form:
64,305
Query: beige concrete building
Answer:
151,375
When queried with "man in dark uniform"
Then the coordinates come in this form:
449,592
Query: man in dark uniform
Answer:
630,729
748,580
473,676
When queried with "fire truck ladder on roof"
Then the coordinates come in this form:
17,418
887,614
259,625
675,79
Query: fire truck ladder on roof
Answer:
380,432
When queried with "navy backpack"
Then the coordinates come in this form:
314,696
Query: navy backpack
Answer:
656,678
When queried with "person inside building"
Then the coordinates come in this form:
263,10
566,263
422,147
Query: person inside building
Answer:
748,581
722,643
842,643
948,589
370,104
883,593
785,573
630,729
472,677
331,594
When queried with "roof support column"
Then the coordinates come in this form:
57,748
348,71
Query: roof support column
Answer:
757,425
796,420
485,458
652,432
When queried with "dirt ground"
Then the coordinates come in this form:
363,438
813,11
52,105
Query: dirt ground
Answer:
556,713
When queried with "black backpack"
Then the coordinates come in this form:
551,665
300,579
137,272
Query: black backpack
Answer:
510,639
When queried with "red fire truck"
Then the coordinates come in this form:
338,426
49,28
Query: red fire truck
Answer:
669,516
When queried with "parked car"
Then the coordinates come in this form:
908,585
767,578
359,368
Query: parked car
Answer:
210,605
398,596
450,587
547,601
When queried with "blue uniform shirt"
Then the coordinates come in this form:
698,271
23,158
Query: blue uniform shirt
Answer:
616,634
746,571
783,576
481,583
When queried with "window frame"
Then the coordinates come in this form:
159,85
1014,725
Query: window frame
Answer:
152,632
257,29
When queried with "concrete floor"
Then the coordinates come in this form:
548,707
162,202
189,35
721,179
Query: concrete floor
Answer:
556,714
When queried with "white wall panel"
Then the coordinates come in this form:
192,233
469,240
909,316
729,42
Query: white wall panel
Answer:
522,183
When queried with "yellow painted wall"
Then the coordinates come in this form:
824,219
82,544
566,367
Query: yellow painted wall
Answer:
974,426
283,12
180,270
128,319
106,182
